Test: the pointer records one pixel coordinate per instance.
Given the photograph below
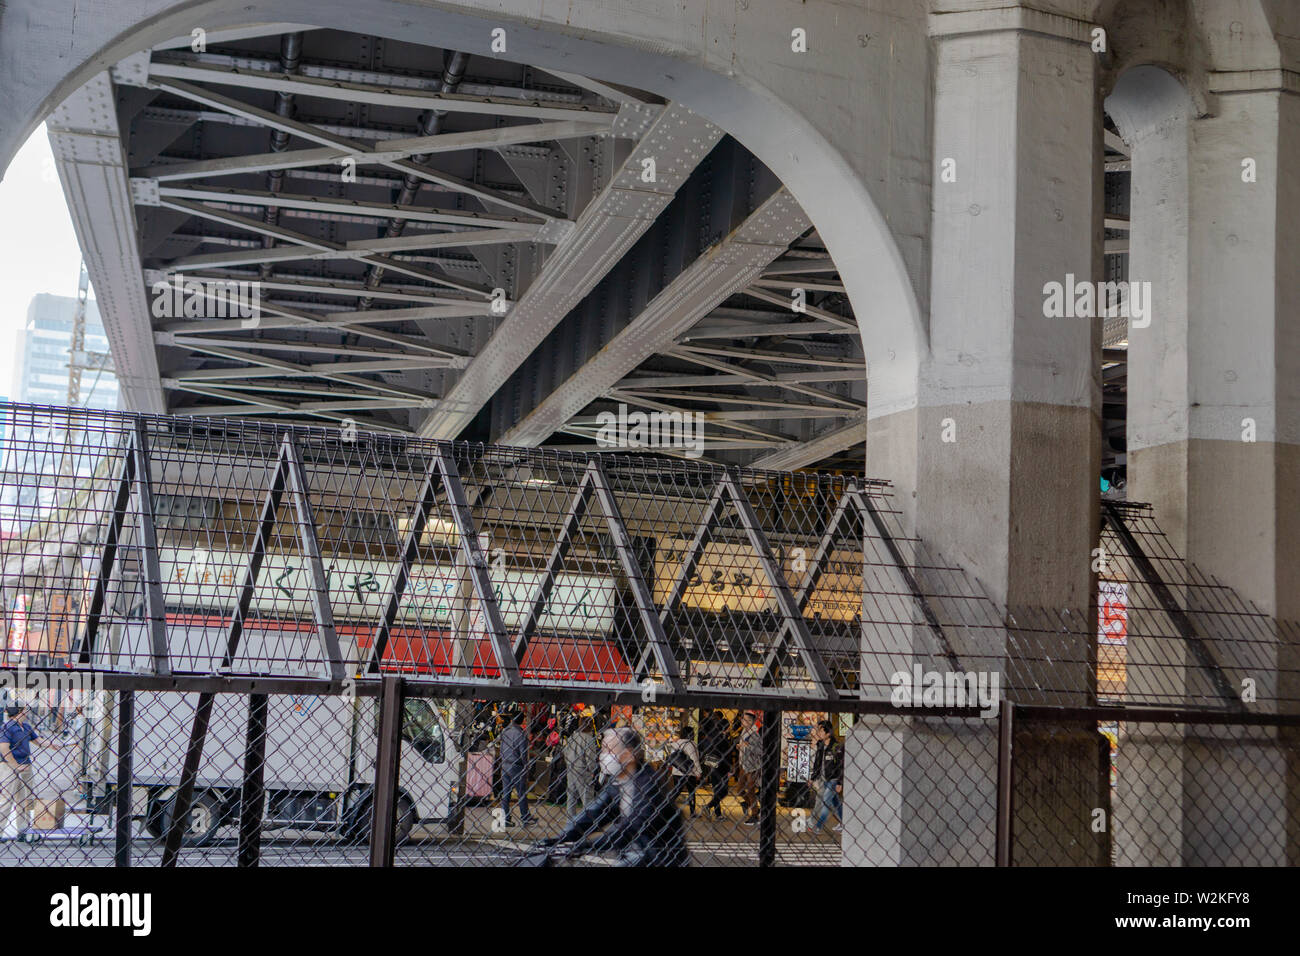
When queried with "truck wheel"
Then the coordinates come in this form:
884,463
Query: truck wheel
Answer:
405,819
204,819
153,816
359,822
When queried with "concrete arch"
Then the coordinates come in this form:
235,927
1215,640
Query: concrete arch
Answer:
1147,98
701,57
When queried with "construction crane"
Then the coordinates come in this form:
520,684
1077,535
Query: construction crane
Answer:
79,360
78,346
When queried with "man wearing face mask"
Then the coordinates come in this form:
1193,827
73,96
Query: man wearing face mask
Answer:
633,809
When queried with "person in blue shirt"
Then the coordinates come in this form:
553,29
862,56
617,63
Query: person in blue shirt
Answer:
16,739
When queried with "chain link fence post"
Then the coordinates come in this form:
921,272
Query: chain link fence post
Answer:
252,794
125,774
1006,775
384,799
769,787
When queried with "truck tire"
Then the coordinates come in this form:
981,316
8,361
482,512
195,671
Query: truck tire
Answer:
356,829
204,819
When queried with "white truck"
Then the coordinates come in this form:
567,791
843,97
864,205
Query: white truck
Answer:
320,751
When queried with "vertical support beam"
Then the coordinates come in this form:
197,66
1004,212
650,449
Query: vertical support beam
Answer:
184,797
650,621
1015,506
326,637
1006,777
125,778
477,566
252,795
384,800
769,787
147,541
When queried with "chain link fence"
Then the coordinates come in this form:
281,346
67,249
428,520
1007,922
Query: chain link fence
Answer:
241,643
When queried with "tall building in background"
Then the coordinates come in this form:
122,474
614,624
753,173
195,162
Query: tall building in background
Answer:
41,370
40,446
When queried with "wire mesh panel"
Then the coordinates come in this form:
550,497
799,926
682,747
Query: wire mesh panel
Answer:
546,784
312,757
714,665
1154,792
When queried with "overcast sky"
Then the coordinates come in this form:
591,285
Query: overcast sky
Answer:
38,249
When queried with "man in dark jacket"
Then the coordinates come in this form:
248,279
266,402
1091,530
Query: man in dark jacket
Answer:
828,775
514,769
639,820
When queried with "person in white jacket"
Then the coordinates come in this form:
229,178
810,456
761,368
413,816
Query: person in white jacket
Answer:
682,758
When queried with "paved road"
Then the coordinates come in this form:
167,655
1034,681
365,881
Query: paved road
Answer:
717,842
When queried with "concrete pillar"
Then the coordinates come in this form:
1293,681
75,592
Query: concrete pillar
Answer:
996,465
1214,436
1153,113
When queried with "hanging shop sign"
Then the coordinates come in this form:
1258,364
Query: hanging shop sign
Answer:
730,577
194,578
1112,612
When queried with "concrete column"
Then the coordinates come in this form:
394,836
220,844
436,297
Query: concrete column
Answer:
1153,113
1214,430
996,464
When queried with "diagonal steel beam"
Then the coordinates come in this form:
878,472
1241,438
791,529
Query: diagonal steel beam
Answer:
154,604
788,383
385,150
568,528
812,575
477,564
344,207
1181,621
656,639
354,249
802,454
305,523
718,274
313,133
678,140
867,509
167,74
793,622
690,561
424,505
401,360
133,480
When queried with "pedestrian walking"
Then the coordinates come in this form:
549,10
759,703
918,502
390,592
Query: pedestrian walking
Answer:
749,749
581,760
16,739
683,761
514,769
828,776
720,749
